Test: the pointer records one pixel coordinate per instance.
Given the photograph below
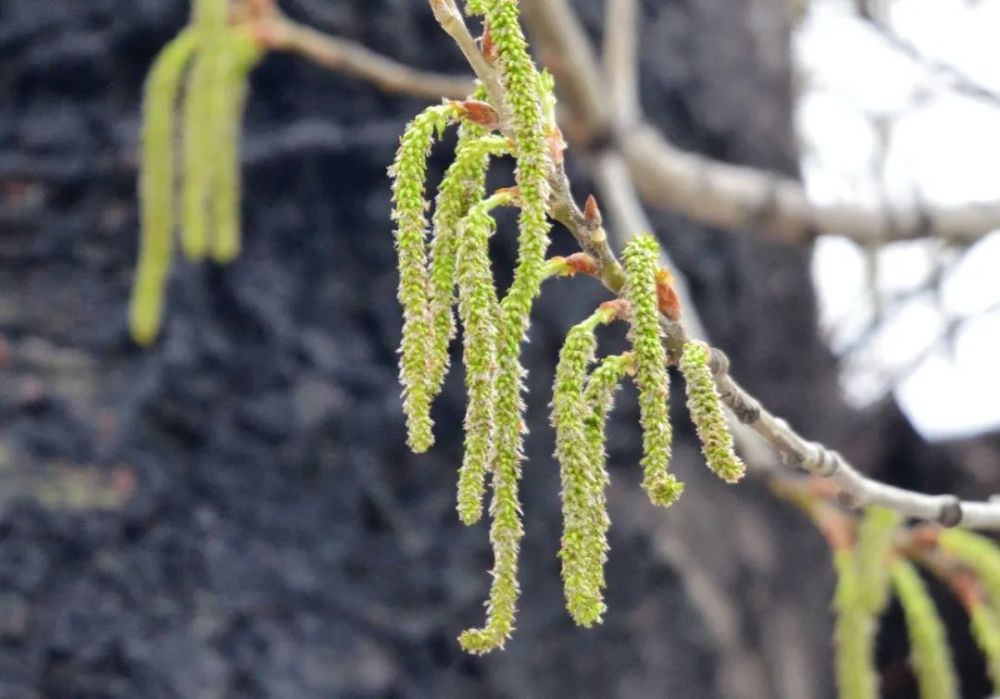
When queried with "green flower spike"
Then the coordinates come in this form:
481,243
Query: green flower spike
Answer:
874,548
521,87
241,54
204,104
585,517
862,593
408,172
156,186
479,309
854,632
599,398
641,265
986,631
928,641
979,554
461,189
705,407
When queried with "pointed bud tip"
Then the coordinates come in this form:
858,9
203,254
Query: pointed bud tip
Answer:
487,44
478,112
592,213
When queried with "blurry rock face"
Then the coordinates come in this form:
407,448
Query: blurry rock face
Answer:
233,512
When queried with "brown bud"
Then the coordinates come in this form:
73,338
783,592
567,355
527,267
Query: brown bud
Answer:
479,113
582,263
487,46
666,296
620,307
592,213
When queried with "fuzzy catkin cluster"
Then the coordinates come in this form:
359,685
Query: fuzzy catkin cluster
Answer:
522,91
494,329
479,310
641,260
580,451
410,205
211,60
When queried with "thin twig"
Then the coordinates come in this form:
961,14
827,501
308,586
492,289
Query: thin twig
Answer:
279,33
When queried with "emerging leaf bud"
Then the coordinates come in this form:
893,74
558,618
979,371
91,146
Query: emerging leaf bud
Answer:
667,299
480,113
591,213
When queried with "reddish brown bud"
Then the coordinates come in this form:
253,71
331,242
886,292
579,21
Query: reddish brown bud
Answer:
487,46
620,307
592,213
582,263
667,298
479,113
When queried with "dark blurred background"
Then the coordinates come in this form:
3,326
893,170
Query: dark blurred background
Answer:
233,512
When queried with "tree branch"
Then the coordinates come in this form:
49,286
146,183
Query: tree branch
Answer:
279,33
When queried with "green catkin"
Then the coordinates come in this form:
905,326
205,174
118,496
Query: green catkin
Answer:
705,407
460,190
985,628
641,263
409,172
874,547
854,632
980,554
521,86
203,106
928,642
156,187
242,52
479,309
862,593
584,518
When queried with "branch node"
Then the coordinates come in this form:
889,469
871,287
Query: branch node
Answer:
827,461
951,512
718,362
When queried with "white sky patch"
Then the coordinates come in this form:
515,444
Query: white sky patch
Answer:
878,127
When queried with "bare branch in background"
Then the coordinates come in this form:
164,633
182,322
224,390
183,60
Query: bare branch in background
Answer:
621,60
279,33
956,79
747,198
